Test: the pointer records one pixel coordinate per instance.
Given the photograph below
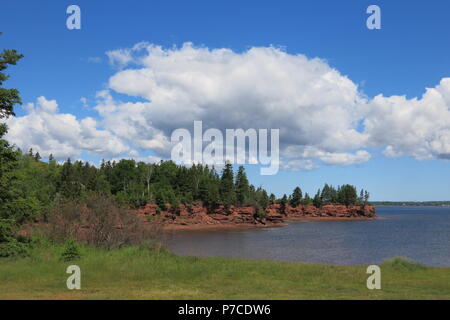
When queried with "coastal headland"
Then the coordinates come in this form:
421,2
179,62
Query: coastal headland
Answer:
198,217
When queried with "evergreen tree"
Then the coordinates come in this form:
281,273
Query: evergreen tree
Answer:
317,201
348,195
227,188
283,203
213,199
329,195
242,187
296,197
68,185
307,200
366,197
262,198
37,156
272,198
10,203
361,197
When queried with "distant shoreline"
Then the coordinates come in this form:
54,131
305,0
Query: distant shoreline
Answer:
411,203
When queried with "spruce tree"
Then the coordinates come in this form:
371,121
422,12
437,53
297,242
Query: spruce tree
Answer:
307,199
66,180
283,203
329,195
227,188
242,187
348,195
366,197
262,198
296,197
272,198
361,197
9,197
317,201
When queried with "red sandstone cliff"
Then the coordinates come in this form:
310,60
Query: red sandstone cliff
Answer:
199,215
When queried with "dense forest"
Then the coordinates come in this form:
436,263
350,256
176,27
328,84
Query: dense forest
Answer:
135,184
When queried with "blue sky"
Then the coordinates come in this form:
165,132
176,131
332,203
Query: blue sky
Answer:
408,55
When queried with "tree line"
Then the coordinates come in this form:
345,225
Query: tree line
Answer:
135,184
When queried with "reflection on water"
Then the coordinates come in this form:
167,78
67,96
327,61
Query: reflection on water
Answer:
418,233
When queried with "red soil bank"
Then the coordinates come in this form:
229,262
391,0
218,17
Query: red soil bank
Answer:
197,216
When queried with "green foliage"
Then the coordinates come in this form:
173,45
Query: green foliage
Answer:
283,203
8,97
317,201
306,201
347,195
13,248
261,197
329,195
272,198
227,188
71,251
363,197
296,197
40,185
9,244
402,264
260,211
165,195
13,208
242,187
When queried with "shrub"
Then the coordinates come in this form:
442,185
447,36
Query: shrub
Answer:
401,263
10,245
99,221
13,248
71,251
64,222
259,211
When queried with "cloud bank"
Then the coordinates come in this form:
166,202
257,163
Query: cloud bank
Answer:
46,130
323,117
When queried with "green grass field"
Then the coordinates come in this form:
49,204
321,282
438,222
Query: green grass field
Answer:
140,273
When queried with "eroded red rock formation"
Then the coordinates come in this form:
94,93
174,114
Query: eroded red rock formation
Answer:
199,215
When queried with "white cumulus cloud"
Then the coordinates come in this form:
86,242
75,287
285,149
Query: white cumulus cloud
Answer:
310,102
46,130
323,118
418,127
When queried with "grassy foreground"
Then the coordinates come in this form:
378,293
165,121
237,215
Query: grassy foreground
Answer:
140,273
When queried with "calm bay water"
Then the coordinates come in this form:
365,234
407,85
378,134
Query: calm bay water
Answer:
421,234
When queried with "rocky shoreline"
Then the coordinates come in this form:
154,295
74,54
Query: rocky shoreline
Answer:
197,217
